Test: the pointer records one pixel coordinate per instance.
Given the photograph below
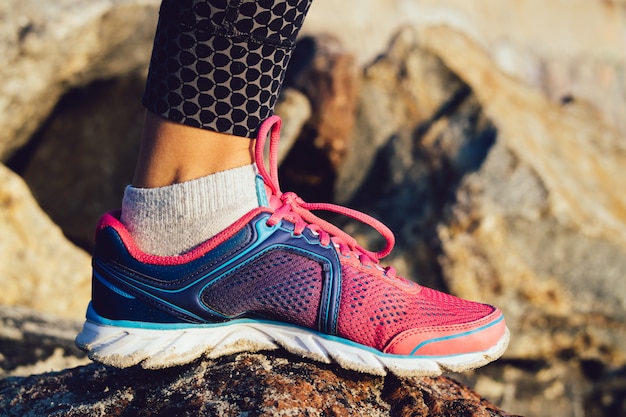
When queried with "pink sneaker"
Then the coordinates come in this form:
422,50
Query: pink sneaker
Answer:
279,277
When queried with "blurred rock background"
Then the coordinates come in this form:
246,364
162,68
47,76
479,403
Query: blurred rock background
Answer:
490,136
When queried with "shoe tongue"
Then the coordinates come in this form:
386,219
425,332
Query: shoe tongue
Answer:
263,192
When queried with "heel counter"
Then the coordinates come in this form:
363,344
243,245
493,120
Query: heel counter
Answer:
111,299
113,303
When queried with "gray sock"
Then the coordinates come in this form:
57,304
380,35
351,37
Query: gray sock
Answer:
174,219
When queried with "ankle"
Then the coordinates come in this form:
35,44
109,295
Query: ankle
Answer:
173,153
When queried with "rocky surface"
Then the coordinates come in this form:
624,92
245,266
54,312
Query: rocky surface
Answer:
262,384
565,48
39,267
32,342
91,149
47,49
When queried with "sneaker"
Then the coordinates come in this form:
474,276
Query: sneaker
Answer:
279,277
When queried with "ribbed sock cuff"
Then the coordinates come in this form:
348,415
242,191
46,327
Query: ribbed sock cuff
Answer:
173,219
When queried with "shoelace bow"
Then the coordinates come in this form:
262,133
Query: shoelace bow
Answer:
297,211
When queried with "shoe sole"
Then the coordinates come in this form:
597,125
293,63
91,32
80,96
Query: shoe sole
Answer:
123,347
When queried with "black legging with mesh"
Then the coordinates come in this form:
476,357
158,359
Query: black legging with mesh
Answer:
219,64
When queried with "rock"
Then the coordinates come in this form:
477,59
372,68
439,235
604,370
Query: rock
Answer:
400,90
294,108
541,219
538,42
517,254
79,162
569,146
330,81
48,49
33,342
260,384
558,389
420,130
38,266
329,78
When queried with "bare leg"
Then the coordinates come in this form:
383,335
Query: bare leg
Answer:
172,153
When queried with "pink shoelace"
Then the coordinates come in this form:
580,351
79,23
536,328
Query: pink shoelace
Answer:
292,208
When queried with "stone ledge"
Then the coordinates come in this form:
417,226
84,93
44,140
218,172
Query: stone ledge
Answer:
246,384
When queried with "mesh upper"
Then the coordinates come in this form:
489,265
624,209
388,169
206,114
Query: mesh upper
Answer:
279,285
373,310
286,286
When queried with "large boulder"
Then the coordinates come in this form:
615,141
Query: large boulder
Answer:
79,162
48,48
39,267
566,48
48,51
259,384
542,219
32,342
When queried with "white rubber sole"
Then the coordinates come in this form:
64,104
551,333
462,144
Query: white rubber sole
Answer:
123,347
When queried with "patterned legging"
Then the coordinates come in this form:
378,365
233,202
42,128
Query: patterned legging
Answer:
219,64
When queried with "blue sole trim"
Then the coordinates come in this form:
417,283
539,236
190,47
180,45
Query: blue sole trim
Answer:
456,336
